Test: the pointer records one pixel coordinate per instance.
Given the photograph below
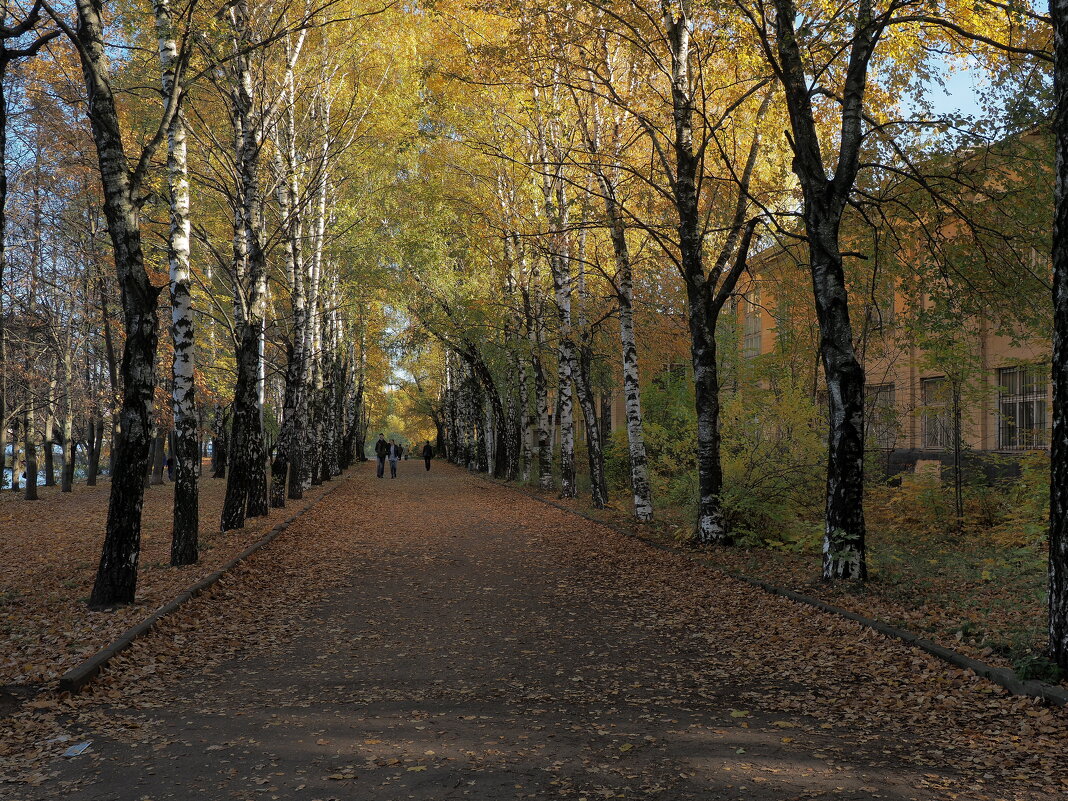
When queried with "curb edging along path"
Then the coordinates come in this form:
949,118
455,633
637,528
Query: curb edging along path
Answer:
1003,677
77,677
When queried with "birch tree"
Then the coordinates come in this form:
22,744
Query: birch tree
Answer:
186,518
556,205
1058,523
287,469
246,487
693,96
116,578
826,193
603,128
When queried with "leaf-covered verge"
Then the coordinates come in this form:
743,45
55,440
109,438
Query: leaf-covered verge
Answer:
49,550
980,590
975,594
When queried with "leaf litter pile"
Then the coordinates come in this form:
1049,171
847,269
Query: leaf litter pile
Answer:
440,637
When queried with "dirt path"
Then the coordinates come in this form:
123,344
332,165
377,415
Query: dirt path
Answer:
439,637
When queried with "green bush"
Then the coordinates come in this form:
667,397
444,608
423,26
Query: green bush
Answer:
670,427
617,460
772,458
773,468
1025,503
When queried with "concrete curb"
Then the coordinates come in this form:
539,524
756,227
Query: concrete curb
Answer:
1003,677
77,677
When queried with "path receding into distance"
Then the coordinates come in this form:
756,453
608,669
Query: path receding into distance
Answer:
439,636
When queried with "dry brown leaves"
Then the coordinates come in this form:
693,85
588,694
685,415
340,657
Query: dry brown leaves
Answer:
50,549
920,586
627,655
190,639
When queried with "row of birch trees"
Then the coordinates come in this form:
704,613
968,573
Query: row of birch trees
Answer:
512,176
214,177
588,140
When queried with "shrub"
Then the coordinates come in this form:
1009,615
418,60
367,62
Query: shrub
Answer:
772,458
670,426
1025,503
773,467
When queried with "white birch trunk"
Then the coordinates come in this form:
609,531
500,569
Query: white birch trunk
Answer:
560,265
490,438
70,447
184,549
246,490
541,409
608,142
639,463
313,340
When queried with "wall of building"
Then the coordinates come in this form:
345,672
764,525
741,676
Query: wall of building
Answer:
1005,399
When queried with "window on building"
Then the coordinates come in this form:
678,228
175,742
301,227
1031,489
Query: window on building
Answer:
753,327
784,320
880,416
1023,408
937,416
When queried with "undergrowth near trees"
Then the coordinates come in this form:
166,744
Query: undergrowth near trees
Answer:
981,590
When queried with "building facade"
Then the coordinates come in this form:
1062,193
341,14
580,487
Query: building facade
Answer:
988,392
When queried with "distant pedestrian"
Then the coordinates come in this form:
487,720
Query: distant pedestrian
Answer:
381,450
170,468
428,454
394,452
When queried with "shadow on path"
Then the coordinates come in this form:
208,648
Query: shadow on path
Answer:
439,637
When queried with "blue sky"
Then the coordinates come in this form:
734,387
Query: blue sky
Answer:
959,94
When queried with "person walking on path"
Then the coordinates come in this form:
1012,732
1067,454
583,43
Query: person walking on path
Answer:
394,452
428,454
381,450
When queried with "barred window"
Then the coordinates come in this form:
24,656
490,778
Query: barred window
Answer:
880,416
753,327
1023,422
937,414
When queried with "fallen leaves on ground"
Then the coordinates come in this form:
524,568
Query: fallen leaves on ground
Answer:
411,637
50,549
971,594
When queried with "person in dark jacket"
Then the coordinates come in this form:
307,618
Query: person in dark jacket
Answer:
428,454
394,451
381,450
